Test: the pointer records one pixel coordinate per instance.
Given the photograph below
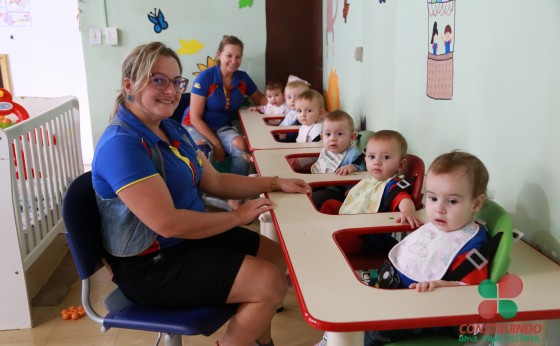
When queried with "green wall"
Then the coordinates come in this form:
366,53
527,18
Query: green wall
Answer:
506,94
206,21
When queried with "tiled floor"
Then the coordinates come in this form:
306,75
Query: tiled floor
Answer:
50,329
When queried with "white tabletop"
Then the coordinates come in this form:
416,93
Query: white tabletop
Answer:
260,135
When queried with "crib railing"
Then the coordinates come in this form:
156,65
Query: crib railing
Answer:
38,159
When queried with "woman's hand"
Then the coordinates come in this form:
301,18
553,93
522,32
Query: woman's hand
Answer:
431,285
219,152
251,209
293,186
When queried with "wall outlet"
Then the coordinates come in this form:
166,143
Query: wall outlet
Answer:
111,36
94,36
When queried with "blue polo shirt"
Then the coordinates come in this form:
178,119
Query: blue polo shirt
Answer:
122,159
221,106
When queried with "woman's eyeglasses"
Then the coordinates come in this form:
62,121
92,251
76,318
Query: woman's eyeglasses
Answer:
160,81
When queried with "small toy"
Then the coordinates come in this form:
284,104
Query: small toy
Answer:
7,107
73,313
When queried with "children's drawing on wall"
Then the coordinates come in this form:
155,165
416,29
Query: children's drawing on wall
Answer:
333,92
158,19
330,23
441,14
190,47
201,67
345,10
245,3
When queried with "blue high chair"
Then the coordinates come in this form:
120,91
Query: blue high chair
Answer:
82,220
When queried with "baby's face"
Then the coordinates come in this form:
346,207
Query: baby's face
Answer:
383,158
275,97
291,94
308,112
449,201
337,136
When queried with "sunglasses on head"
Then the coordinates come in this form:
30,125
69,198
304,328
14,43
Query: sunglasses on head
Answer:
161,81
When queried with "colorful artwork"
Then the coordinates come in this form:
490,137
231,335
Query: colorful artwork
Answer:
333,92
201,67
158,19
190,47
345,10
245,3
441,14
330,23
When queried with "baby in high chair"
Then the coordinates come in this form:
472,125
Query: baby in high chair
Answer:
276,103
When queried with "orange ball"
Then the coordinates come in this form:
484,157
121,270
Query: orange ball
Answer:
66,316
75,316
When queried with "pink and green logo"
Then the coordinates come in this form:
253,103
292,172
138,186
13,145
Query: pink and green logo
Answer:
499,296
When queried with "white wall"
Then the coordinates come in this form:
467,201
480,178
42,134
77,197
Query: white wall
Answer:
46,59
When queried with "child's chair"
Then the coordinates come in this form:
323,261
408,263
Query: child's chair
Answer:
82,220
497,220
352,245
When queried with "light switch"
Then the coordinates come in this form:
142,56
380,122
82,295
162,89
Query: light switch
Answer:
111,36
358,53
94,36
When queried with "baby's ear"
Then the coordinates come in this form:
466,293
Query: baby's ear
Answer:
402,165
478,202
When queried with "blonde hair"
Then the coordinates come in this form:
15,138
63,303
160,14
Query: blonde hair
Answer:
297,84
138,65
312,95
385,135
226,40
474,169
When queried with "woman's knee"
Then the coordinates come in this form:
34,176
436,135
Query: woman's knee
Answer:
259,280
240,144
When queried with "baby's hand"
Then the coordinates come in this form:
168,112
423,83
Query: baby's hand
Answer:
431,285
409,218
345,170
254,109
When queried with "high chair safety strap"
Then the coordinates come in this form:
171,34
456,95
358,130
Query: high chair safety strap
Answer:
467,266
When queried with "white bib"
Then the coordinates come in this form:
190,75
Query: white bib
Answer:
307,133
365,196
327,162
427,253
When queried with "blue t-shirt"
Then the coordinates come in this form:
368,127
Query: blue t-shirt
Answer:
220,107
122,159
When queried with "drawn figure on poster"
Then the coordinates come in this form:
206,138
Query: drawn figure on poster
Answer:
447,38
435,37
330,23
441,14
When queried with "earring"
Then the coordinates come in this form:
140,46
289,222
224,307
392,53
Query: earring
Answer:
130,98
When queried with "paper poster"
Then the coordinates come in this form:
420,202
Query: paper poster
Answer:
441,43
15,13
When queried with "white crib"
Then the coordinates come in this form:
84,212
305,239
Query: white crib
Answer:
39,157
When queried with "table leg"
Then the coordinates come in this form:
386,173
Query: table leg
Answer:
345,339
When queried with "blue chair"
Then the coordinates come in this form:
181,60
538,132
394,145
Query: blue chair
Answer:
82,220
